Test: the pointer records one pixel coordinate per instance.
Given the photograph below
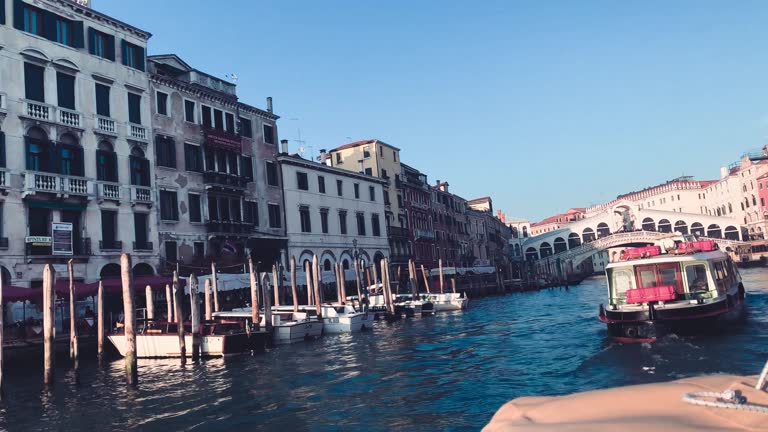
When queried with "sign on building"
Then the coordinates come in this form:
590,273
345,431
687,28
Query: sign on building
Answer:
62,238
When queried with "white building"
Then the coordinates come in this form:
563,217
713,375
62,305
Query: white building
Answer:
332,213
74,141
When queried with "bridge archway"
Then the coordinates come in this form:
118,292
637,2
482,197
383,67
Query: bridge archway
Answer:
649,224
531,254
713,231
681,227
697,229
588,235
603,230
665,226
731,233
560,245
545,250
573,240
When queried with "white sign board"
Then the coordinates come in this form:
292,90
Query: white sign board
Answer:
62,238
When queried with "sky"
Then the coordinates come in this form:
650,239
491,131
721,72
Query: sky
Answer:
542,105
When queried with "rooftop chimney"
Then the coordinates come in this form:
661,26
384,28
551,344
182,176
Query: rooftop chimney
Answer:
437,182
323,157
269,103
284,146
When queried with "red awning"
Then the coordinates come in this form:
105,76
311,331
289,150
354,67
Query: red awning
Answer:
112,286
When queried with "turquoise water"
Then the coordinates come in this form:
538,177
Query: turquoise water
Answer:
447,372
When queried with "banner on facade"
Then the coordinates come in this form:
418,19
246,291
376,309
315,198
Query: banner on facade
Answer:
62,238
223,140
38,240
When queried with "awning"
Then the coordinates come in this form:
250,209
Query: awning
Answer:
83,290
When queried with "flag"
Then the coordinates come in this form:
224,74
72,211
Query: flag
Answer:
229,248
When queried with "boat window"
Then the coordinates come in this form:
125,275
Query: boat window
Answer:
696,275
720,272
669,277
621,281
647,277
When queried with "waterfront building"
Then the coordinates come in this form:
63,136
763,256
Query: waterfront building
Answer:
76,155
417,203
488,233
333,213
379,159
557,221
218,188
449,216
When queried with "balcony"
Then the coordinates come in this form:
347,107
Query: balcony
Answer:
69,118
145,246
106,125
3,242
59,184
137,132
5,178
111,245
109,191
141,195
228,227
225,180
39,111
398,232
49,113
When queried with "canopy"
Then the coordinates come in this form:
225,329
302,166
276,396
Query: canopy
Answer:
113,286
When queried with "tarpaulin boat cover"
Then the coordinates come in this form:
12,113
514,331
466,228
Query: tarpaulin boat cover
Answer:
648,407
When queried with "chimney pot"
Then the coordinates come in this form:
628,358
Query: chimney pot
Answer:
284,146
269,103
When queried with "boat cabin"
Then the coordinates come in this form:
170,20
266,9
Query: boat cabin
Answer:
693,278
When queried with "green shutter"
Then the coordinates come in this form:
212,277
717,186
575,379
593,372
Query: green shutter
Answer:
109,49
91,40
140,58
77,34
18,14
49,25
2,11
124,51
2,145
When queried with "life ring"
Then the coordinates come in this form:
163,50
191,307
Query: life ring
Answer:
631,332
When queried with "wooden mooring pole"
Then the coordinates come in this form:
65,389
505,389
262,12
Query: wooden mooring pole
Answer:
2,323
266,295
453,284
215,282
73,345
129,314
49,321
195,313
294,292
179,313
150,303
100,321
316,279
254,294
426,281
357,283
208,312
275,285
343,286
308,277
440,265
169,303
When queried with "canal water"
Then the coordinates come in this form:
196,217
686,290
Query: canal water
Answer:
447,372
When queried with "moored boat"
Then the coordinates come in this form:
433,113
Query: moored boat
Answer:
337,318
447,301
688,289
287,326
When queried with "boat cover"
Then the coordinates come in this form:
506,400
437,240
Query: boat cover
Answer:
651,294
648,407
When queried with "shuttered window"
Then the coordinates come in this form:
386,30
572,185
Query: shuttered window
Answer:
134,108
33,82
133,55
102,100
195,214
101,44
65,89
165,152
193,158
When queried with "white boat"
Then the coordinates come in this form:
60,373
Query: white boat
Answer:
339,318
287,326
160,343
447,301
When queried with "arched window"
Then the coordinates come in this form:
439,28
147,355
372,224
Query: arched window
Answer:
39,151
345,264
139,168
327,265
70,156
106,163
754,201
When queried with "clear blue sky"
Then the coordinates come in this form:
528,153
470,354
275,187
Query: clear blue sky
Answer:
543,105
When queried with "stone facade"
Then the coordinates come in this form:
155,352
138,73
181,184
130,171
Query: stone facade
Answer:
417,202
451,228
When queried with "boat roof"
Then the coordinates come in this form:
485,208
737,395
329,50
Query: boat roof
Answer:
668,258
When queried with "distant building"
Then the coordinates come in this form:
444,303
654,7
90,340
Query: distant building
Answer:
557,221
489,235
451,227
333,213
417,203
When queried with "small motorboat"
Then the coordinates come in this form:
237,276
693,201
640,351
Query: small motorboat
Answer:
338,318
687,289
447,301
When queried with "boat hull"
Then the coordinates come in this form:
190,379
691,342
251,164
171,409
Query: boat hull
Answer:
167,345
448,302
296,332
640,326
353,324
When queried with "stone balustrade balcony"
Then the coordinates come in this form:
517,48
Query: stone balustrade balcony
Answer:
59,184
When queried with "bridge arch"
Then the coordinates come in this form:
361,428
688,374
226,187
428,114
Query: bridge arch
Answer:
560,245
574,240
731,233
681,227
531,254
545,250
603,230
649,224
588,235
713,231
698,229
665,226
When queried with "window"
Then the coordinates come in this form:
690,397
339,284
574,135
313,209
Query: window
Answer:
32,19
696,276
230,122
140,231
108,229
169,207
101,44
102,100
139,170
343,222
218,119
199,249
33,82
384,174
246,128
375,226
65,89
357,190
195,213
207,119
251,213
306,223
189,111
234,209
372,192
64,31
369,171
361,224
302,182
338,158
233,161
134,108
274,216
170,252
161,100
106,164
324,220
193,157
166,152
246,167
394,155
269,134
133,56
339,188
366,152
2,151
321,184
272,174
70,160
